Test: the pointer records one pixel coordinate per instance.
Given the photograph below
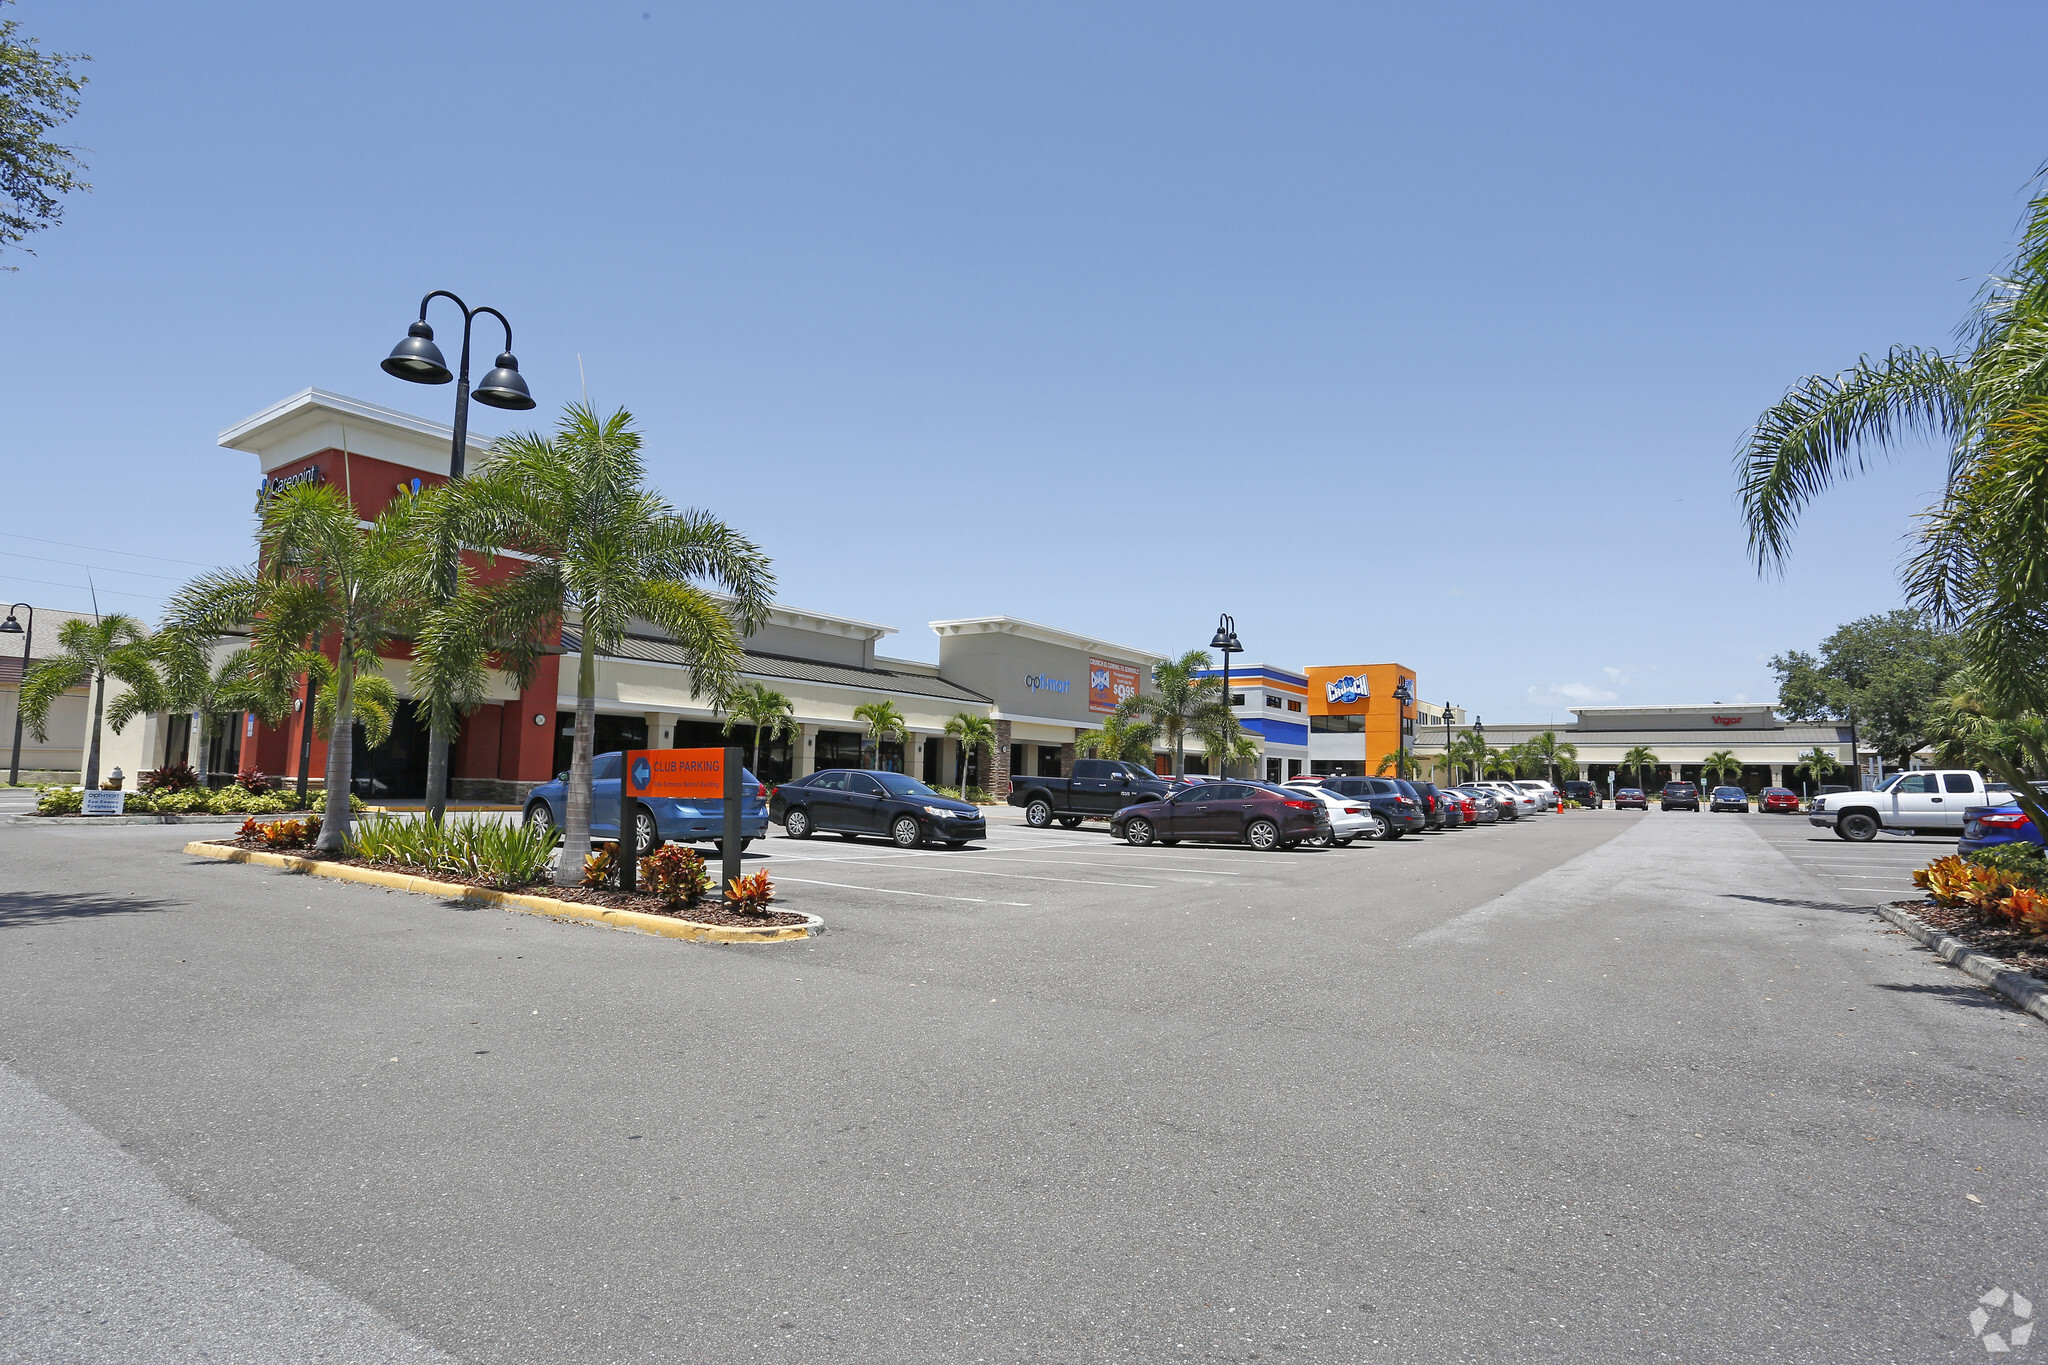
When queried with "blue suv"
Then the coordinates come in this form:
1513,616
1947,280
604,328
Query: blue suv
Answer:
656,820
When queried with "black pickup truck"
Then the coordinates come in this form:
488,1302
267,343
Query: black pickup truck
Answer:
1099,788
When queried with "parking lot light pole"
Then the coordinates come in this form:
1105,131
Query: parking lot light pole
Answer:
417,360
1449,771
1479,729
28,637
1225,639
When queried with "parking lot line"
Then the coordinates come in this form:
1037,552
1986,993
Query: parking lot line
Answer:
892,891
972,872
1070,862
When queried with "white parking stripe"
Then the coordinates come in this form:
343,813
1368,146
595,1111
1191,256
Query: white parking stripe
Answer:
892,891
972,872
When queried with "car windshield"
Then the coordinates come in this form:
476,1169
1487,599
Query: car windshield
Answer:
896,784
1886,785
1731,794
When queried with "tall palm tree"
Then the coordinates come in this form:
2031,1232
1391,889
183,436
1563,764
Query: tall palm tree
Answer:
88,653
1180,701
1975,729
770,713
598,545
973,732
1640,760
320,576
1552,754
1718,766
880,720
1127,740
207,692
1984,548
1224,741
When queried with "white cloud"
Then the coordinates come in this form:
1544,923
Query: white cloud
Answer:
1615,676
1571,694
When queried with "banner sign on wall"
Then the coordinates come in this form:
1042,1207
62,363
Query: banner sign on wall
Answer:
1110,685
676,774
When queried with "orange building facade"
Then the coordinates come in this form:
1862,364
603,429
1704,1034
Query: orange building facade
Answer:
1357,715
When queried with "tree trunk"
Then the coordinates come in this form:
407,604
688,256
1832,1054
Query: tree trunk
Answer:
576,821
195,746
99,706
438,747
757,755
340,754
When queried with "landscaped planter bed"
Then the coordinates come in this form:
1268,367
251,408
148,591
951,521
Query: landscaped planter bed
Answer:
709,915
2013,946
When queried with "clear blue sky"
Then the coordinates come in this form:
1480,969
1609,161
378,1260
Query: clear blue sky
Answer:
1419,332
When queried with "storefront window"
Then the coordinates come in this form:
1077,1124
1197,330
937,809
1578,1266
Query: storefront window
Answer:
1336,725
836,749
1049,760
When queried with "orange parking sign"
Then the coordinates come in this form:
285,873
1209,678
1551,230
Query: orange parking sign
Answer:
685,774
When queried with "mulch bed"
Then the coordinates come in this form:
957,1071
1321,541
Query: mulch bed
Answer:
2014,947
704,912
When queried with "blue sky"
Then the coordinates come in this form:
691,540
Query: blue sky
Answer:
1421,333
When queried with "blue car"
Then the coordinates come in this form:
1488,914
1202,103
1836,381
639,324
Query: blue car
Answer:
1990,826
657,820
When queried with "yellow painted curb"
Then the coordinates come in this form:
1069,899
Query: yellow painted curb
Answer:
660,925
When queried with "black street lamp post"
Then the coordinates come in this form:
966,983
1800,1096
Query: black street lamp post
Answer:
1479,729
417,360
1449,771
1225,639
28,637
1404,697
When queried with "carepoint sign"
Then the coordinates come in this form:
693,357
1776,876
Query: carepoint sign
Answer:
676,774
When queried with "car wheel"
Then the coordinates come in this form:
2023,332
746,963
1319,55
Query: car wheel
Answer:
646,834
905,832
1038,814
1317,841
1138,831
1262,835
1378,828
540,816
1857,826
797,823
1394,833
1345,843
1070,822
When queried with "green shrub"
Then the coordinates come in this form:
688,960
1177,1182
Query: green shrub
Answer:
980,797
59,801
952,793
501,852
2025,863
676,874
193,801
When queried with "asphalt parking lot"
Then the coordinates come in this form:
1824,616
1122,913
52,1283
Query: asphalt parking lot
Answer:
1600,1086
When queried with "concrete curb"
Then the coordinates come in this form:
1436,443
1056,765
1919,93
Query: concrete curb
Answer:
659,925
2015,985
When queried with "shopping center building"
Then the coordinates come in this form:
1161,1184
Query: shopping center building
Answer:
1680,737
1041,686
1271,704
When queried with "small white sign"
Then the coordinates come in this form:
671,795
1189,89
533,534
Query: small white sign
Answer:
103,803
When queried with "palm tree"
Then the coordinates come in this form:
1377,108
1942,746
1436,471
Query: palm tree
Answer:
1467,751
598,545
973,732
1403,761
89,651
1718,765
770,713
1548,752
1820,764
1974,729
882,721
1640,760
1127,740
320,575
1180,701
1224,741
209,693
1984,549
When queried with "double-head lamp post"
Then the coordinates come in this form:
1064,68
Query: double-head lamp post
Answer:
28,637
1225,640
1479,729
1404,697
417,360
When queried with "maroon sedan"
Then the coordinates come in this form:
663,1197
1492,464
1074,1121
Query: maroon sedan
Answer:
1779,798
1253,813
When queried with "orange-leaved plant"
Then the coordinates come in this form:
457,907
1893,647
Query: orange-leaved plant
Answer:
749,895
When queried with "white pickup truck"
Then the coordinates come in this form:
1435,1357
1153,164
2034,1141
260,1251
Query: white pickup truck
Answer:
1905,803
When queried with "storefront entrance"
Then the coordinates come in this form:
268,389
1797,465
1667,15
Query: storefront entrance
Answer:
397,767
